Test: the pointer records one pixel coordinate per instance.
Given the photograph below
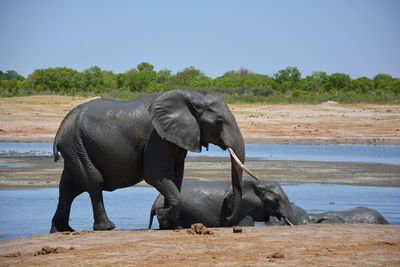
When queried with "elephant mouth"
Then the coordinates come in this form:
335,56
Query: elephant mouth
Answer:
241,165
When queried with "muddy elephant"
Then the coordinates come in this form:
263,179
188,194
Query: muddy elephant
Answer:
209,202
351,216
108,145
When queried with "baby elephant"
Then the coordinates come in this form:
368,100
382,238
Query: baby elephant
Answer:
209,203
351,216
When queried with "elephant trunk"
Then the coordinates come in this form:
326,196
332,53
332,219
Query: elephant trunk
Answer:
237,147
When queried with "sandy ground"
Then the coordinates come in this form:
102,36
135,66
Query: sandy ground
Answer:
36,118
317,245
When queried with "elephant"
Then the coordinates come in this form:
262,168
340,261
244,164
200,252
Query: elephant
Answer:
208,202
351,216
109,144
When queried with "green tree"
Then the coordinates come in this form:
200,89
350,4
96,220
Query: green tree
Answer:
288,74
362,85
337,82
382,82
186,77
58,80
288,78
139,79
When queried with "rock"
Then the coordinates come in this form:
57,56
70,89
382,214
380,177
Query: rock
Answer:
277,255
237,229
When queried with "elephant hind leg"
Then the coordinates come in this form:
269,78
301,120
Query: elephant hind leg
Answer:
67,193
92,181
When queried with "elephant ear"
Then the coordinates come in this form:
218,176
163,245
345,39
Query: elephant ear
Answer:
173,117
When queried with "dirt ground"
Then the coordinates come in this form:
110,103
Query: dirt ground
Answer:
306,245
36,118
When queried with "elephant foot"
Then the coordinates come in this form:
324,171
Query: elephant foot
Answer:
104,225
60,228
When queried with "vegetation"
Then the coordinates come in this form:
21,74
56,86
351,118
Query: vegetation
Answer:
285,86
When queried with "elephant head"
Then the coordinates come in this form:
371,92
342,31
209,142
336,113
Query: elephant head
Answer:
275,202
192,120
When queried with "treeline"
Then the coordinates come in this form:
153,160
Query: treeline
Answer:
287,85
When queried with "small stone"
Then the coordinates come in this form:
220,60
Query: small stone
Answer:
237,229
277,255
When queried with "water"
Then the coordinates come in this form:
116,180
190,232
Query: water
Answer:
29,211
333,153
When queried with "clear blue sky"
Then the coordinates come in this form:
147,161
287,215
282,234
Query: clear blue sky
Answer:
361,38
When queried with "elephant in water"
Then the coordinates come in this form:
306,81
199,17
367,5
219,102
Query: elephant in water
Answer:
108,145
351,216
209,202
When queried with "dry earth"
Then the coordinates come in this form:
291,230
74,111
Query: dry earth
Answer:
316,245
36,118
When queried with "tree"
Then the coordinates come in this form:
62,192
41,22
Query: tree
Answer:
139,79
288,78
382,81
288,74
338,82
187,76
362,85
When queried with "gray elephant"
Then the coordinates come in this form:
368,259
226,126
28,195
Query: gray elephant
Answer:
352,216
209,202
113,144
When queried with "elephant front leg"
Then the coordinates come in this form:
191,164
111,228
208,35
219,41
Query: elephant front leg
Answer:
166,214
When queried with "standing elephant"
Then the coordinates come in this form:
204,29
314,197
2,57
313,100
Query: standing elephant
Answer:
113,144
351,216
209,202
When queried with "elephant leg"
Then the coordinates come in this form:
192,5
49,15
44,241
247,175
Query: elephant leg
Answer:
93,181
67,193
101,220
172,202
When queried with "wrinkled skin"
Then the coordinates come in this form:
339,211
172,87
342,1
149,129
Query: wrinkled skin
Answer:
114,144
351,216
208,203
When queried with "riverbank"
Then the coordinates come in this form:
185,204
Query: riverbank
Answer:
36,118
306,245
39,172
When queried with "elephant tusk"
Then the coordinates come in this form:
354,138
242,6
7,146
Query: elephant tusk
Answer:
241,164
288,221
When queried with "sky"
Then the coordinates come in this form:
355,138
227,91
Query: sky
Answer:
357,37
